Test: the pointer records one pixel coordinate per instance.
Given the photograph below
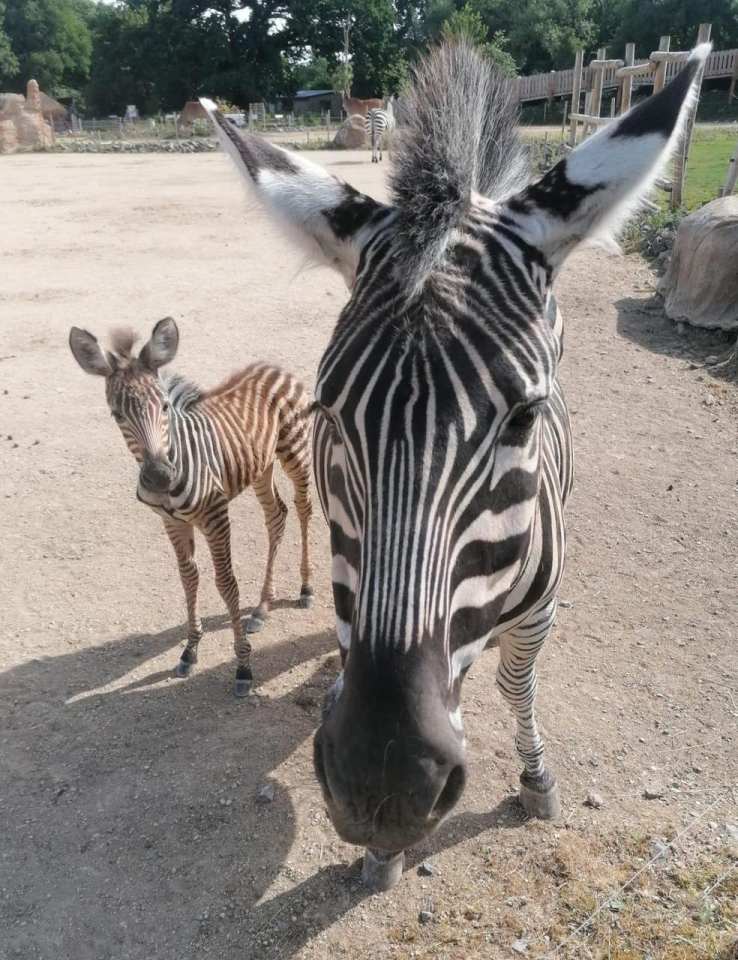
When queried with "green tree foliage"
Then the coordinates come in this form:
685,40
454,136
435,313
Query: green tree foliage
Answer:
8,61
52,42
315,74
467,23
644,21
159,53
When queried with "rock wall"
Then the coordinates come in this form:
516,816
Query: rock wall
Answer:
22,126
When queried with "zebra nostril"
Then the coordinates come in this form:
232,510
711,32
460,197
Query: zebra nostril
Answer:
452,790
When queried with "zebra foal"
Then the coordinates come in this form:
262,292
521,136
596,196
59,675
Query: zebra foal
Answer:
197,450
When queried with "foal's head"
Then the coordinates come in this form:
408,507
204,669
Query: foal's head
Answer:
137,398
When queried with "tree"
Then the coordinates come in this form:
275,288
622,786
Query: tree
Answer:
315,74
9,65
467,23
52,42
644,21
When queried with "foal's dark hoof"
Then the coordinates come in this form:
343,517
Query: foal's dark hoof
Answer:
183,669
244,682
306,598
253,624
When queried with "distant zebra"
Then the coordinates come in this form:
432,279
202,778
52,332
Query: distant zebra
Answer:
198,449
378,122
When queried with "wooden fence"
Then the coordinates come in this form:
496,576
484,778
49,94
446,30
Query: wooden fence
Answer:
560,83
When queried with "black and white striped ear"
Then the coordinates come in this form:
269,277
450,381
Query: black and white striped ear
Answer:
591,192
323,214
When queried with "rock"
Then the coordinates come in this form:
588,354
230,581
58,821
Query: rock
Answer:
658,850
654,791
700,285
425,916
594,800
351,134
520,947
425,869
265,794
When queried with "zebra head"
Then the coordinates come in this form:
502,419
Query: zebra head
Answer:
136,395
440,443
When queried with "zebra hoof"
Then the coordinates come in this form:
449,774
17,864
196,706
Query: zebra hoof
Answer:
183,669
306,598
244,682
253,624
380,870
540,798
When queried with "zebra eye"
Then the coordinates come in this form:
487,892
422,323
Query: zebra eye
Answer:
117,416
524,418
165,406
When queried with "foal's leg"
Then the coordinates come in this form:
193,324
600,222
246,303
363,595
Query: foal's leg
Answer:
275,513
217,529
182,538
516,678
297,469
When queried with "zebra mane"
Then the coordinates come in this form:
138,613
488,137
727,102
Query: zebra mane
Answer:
182,393
457,134
122,341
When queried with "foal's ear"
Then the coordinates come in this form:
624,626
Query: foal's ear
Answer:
162,345
324,214
88,354
592,191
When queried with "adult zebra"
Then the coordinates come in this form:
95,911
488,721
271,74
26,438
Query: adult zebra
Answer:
378,123
197,450
442,446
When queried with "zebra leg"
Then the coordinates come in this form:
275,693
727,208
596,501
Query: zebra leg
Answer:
275,515
182,538
299,473
516,678
217,530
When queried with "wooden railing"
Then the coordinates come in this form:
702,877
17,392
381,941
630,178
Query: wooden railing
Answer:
560,83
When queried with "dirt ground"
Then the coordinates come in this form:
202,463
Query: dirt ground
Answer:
129,826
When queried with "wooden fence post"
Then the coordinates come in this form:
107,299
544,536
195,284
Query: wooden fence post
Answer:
576,95
660,76
682,153
595,101
627,88
733,79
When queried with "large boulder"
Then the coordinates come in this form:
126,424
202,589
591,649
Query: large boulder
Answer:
700,285
352,133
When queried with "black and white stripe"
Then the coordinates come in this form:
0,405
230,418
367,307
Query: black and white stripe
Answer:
198,450
442,443
378,123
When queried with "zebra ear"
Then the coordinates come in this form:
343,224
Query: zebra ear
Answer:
322,213
162,345
88,354
591,192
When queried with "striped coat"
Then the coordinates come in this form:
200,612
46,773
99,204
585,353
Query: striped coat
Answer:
197,450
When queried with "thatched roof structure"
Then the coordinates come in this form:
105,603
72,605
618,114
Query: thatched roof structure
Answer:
51,108
192,111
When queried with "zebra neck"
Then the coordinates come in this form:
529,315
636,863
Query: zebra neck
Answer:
193,443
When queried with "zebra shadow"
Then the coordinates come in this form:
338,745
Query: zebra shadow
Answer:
642,320
145,816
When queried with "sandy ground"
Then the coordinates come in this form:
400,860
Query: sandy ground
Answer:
128,821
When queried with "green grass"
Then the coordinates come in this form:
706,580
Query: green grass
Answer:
708,164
